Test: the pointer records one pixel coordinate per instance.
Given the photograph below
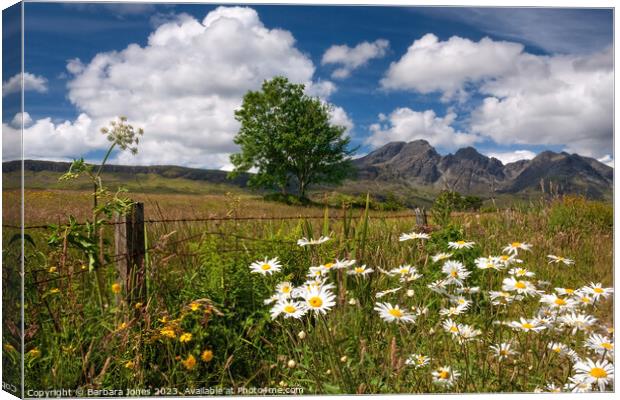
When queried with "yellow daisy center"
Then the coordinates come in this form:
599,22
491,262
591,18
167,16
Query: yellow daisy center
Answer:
504,258
569,291
265,267
395,312
607,346
453,274
557,349
315,301
359,270
520,285
444,374
286,289
503,352
598,290
527,325
585,299
521,271
560,302
329,265
515,244
404,271
454,329
460,242
598,373
289,309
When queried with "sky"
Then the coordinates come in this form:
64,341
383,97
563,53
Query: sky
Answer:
511,82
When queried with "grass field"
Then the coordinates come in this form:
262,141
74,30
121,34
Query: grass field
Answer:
205,324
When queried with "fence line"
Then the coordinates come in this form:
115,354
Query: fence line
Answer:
207,219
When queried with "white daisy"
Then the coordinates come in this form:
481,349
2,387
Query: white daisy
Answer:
578,322
553,301
503,350
455,272
461,244
306,242
394,313
441,256
445,376
514,247
520,286
340,264
318,299
417,360
521,272
597,290
360,271
556,259
506,260
501,298
413,235
599,373
487,263
284,289
289,308
600,344
526,325
266,267
576,386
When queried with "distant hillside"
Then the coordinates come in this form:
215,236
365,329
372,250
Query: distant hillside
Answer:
417,163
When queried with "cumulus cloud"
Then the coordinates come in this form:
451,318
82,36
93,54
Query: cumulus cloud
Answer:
182,87
339,117
32,82
405,124
430,65
351,58
507,157
564,100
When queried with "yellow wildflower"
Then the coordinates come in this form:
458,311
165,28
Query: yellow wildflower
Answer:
116,288
168,332
34,353
186,337
130,364
189,362
52,270
206,356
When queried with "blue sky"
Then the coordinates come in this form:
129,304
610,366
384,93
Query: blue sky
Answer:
510,82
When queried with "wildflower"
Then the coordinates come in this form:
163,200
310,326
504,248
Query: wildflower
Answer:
185,337
526,325
301,335
577,386
520,286
317,272
386,292
556,259
318,299
600,373
514,247
340,264
206,355
266,267
503,351
54,291
451,327
455,271
506,260
122,326
291,364
445,376
271,299
501,298
391,313
487,263
410,292
52,270
452,311
417,360
521,272
306,242
579,322
194,306
558,348
413,235
461,301
468,290
343,359
138,305
461,244
401,271
467,333
438,286
552,388
360,271
597,290
116,288
353,302
168,332
34,352
565,291
189,363
600,344
582,299
130,364
441,256
557,302
290,309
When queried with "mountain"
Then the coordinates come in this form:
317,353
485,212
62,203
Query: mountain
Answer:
469,172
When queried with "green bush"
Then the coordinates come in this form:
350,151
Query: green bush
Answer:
576,212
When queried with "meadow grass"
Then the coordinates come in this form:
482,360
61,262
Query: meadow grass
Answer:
205,322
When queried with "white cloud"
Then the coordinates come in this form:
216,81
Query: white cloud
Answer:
607,159
352,58
433,66
512,156
564,100
405,124
182,87
31,82
339,117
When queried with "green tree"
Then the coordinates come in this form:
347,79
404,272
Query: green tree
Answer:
287,137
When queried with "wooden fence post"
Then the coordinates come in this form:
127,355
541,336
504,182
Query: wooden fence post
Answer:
420,217
130,252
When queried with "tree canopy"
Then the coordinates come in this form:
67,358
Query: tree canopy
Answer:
287,137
